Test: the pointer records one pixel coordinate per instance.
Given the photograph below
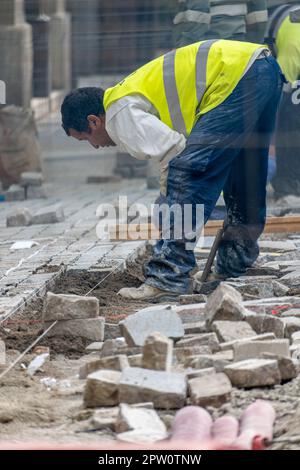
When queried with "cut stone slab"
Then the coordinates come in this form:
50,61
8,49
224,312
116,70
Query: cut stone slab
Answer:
295,351
140,436
265,324
32,178
110,362
69,307
191,313
195,328
249,291
210,390
289,368
19,218
2,353
232,330
195,373
36,192
136,360
205,339
182,354
49,215
132,418
291,325
94,347
230,344
157,352
192,299
225,303
105,418
102,389
15,193
137,327
254,349
253,373
90,328
166,390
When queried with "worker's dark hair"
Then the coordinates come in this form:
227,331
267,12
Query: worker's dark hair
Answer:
78,105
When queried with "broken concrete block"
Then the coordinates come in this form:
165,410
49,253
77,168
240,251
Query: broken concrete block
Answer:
205,339
32,178
165,389
253,373
192,299
191,313
36,192
266,323
2,353
232,330
280,289
102,389
135,418
137,327
94,347
112,346
289,368
49,215
136,360
69,307
15,193
196,373
19,218
230,344
295,351
182,354
90,328
291,325
105,418
110,362
295,337
225,303
195,328
252,349
208,361
157,352
210,390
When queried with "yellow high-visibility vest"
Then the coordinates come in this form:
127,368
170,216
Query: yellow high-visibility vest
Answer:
187,82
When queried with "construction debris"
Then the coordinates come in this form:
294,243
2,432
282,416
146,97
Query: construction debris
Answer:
31,178
102,389
251,349
165,389
118,363
225,303
69,307
157,352
49,215
136,328
232,330
19,218
210,390
253,373
142,420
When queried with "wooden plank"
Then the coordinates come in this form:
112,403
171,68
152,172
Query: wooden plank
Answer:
144,231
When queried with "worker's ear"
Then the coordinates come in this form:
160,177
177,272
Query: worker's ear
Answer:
96,122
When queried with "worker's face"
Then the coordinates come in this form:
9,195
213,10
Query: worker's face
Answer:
97,135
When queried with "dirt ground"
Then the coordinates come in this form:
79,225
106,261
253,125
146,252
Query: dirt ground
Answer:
52,412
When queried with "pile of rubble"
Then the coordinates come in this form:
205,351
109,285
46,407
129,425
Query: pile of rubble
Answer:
172,356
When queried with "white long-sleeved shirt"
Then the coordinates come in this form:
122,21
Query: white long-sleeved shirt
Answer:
133,124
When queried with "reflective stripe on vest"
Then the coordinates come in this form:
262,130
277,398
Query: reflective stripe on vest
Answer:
171,88
257,17
192,16
229,10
